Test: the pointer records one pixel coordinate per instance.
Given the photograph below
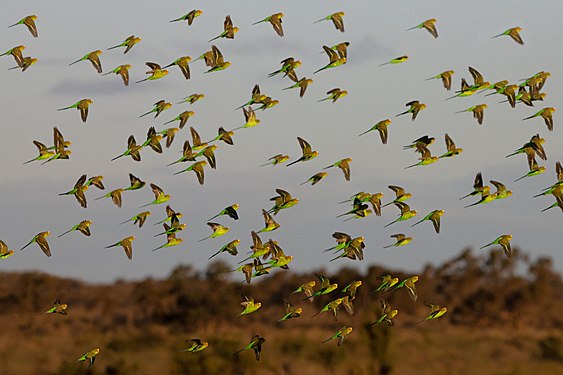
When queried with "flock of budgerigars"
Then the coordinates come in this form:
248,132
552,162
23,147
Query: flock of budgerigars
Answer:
268,255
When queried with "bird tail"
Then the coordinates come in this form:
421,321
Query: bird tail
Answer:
15,24
293,162
62,109
183,170
74,62
214,255
322,100
327,340
29,161
29,243
514,153
321,20
318,70
340,256
492,93
496,36
527,118
149,112
108,73
367,131
350,218
329,249
274,73
126,221
413,28
51,159
417,223
384,63
256,23
451,97
68,231
468,195
471,205
547,208
410,166
97,199
15,67
117,157
403,113
160,247
210,40
393,222
520,178
114,47
388,246
160,234
482,247
143,80
176,162
146,205
203,239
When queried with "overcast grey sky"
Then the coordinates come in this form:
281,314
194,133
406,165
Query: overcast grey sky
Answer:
30,203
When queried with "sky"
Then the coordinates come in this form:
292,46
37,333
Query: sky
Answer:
29,200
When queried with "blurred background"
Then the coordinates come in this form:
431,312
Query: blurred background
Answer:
138,309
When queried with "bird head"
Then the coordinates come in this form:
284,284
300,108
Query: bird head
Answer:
198,13
46,234
32,17
97,52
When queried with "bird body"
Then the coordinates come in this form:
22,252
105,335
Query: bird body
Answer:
128,43
41,240
127,244
94,58
29,22
504,242
89,356
429,25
